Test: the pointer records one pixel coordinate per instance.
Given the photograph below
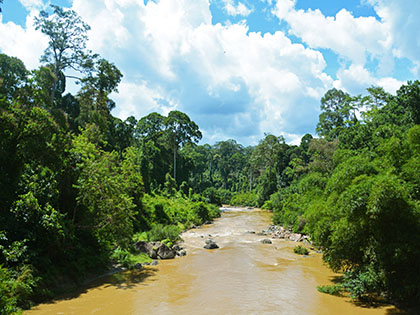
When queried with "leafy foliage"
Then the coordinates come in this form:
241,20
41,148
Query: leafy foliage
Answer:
330,289
300,250
161,232
127,259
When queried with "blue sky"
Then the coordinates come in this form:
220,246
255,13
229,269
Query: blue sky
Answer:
239,69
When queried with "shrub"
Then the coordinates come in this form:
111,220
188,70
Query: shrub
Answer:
330,289
213,195
301,250
161,232
8,299
140,236
128,259
361,283
179,211
244,199
16,289
201,211
268,205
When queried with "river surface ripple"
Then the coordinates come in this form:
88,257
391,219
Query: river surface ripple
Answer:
243,276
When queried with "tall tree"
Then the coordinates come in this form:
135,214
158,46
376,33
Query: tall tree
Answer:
150,127
182,130
225,157
267,153
67,42
338,111
95,104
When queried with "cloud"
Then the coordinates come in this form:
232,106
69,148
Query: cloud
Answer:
232,82
32,4
23,42
234,10
354,39
401,20
361,43
133,95
356,79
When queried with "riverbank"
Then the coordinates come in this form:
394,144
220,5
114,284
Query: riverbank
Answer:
242,276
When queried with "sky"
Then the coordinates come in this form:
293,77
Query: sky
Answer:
239,68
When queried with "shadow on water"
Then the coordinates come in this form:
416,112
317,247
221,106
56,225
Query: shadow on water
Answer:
377,303
395,311
372,303
380,304
124,280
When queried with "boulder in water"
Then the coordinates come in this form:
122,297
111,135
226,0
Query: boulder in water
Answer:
164,252
210,244
295,237
266,241
155,250
143,247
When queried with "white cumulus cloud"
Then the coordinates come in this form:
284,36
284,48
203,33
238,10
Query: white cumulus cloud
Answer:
33,4
356,79
352,38
359,42
238,9
401,20
23,42
232,82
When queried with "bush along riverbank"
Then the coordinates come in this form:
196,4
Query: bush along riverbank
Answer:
168,217
164,218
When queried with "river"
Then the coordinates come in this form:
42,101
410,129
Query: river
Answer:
243,276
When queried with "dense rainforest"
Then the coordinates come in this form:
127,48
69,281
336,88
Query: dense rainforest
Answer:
79,186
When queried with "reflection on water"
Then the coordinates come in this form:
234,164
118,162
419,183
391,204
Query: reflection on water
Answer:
243,276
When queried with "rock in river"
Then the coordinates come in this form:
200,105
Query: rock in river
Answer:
210,244
266,241
155,250
164,252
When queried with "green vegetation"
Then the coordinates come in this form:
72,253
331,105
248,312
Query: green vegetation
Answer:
128,258
300,250
244,199
330,289
163,232
79,187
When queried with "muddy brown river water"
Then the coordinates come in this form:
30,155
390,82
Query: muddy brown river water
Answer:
243,276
